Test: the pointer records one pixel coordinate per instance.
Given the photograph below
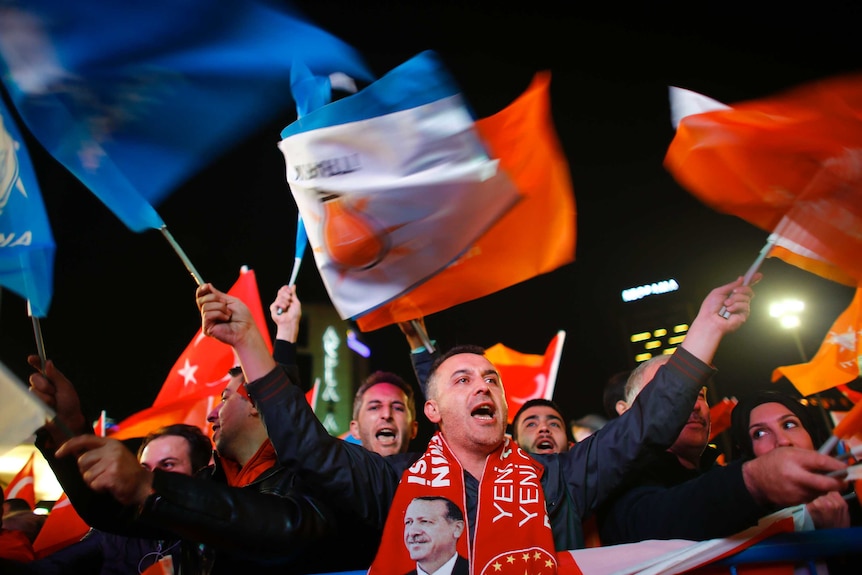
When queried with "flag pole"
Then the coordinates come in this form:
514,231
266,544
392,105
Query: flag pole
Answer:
299,251
37,332
186,261
746,279
423,335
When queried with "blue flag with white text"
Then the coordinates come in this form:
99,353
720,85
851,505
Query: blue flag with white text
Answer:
26,243
135,97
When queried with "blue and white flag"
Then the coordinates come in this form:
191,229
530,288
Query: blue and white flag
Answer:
393,184
134,97
26,243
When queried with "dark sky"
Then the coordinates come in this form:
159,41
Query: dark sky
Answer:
123,307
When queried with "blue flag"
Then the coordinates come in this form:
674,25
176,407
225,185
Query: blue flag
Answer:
26,243
134,97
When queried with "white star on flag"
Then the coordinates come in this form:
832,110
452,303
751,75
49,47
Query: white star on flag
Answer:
188,373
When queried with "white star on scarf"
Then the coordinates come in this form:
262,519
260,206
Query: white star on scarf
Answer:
188,373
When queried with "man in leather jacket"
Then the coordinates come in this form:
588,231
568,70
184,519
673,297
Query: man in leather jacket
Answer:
244,513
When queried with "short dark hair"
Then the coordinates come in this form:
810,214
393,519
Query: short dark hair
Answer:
384,377
457,350
200,446
533,403
614,391
453,512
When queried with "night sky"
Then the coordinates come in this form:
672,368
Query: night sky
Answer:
123,307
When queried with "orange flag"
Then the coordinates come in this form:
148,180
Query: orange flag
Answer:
838,359
62,527
788,164
719,416
198,377
22,486
527,376
535,237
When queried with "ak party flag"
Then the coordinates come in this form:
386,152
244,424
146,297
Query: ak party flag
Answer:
135,97
26,242
790,164
837,361
392,184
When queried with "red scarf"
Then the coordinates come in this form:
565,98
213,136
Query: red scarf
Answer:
240,476
513,532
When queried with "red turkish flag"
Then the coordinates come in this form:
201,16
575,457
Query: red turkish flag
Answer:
527,376
22,485
62,527
198,377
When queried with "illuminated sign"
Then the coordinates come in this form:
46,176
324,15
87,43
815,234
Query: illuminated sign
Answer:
640,292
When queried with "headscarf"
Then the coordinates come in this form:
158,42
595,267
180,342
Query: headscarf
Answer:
740,419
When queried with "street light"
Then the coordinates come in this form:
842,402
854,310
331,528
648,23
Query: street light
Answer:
787,312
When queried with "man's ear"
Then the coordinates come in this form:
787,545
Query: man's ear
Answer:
431,411
415,430
354,428
458,530
621,407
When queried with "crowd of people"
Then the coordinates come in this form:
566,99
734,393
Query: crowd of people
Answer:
276,493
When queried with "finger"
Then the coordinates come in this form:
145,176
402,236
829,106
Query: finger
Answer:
80,444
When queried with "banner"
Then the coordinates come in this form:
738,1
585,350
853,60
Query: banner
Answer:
112,89
527,376
26,243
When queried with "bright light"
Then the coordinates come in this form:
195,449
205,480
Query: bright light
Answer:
786,307
789,321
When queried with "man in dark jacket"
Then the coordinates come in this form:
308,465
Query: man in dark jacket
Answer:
245,513
177,448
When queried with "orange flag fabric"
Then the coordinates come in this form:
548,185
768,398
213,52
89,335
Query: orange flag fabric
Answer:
838,359
788,164
536,236
198,377
527,376
22,486
719,416
62,527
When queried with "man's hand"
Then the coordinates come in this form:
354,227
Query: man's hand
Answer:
108,466
286,322
223,317
55,389
829,511
414,340
228,320
790,476
708,328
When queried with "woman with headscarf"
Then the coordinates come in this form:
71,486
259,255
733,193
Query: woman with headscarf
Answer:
769,419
